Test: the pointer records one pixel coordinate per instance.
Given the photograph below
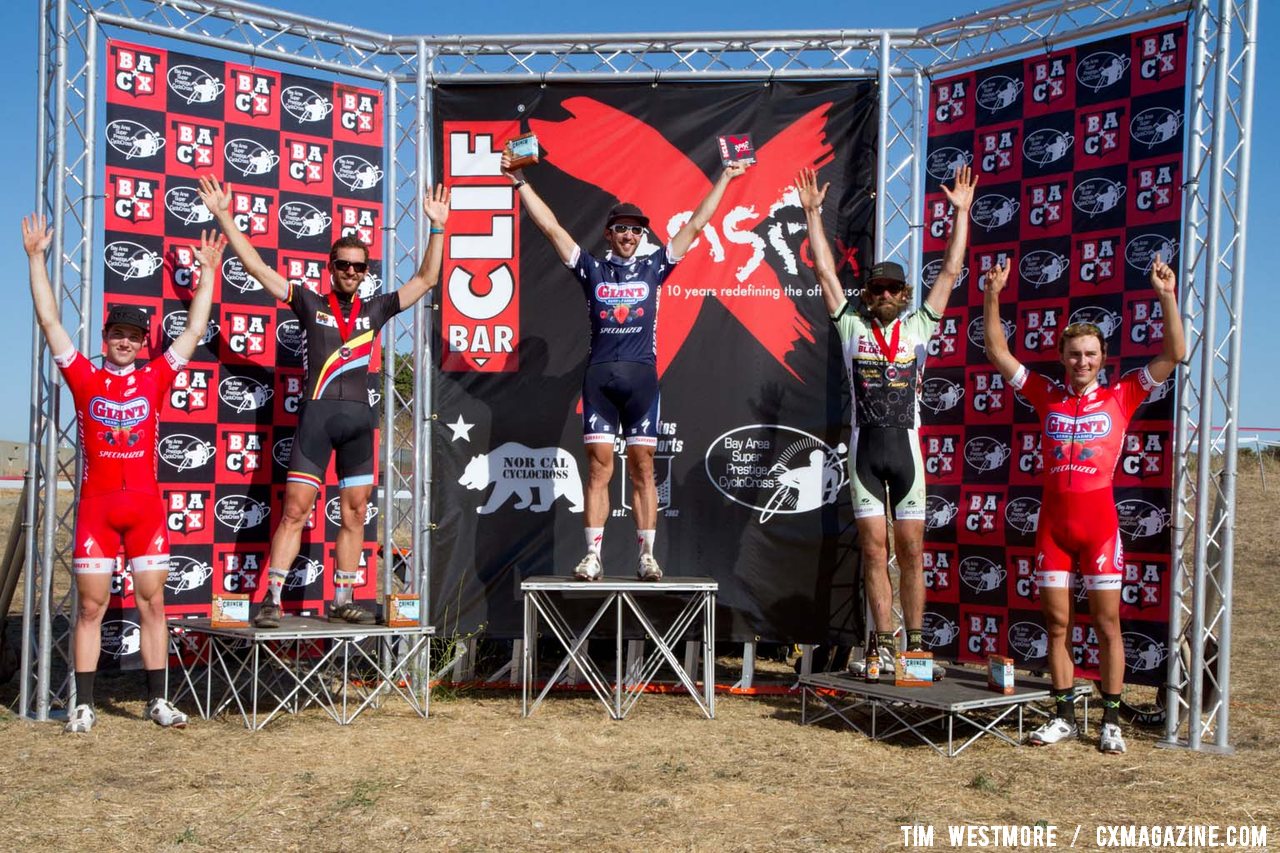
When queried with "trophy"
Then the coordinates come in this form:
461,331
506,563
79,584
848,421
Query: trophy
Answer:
523,150
736,148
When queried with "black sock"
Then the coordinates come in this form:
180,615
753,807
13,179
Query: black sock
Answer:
915,640
1064,705
1111,708
884,639
155,684
84,687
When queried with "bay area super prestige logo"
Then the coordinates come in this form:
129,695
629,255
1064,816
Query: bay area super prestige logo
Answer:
480,316
772,468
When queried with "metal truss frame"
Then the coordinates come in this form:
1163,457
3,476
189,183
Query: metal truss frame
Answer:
408,68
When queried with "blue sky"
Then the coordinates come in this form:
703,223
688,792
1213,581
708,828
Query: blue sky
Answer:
18,105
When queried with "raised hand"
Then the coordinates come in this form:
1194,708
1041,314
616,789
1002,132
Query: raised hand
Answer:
961,193
811,197
37,234
435,204
214,196
735,170
996,278
212,244
514,174
1163,278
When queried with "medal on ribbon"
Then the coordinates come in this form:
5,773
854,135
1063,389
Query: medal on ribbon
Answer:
347,325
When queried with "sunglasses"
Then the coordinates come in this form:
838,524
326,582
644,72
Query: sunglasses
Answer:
355,266
637,230
880,288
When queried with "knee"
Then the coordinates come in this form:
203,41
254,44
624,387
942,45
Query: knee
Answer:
640,470
600,470
353,513
1108,628
90,611
1055,624
294,513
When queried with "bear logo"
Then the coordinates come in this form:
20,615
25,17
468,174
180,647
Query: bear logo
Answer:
513,469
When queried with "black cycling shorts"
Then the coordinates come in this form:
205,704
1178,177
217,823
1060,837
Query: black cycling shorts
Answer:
326,427
620,398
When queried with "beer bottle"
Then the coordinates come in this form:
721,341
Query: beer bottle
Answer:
872,659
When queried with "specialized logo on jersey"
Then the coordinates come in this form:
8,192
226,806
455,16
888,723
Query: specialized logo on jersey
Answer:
304,220
356,173
185,204
940,455
240,512
250,157
1023,515
194,85
359,221
133,199
982,632
246,334
305,105
194,144
135,70
1046,146
252,92
997,150
994,211
1042,267
1155,126
184,511
243,394
949,102
997,93
252,211
1141,519
939,631
620,300
1100,132
945,162
1049,79
938,567
1097,259
1144,248
119,415
1046,204
306,160
1029,640
981,574
984,453
939,394
134,139
186,574
1101,69
235,275
131,260
1097,196
185,452
241,569
939,512
175,323
190,390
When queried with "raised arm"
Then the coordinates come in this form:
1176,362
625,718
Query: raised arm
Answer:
702,214
210,255
824,263
540,213
1174,349
992,329
218,199
961,198
36,237
435,204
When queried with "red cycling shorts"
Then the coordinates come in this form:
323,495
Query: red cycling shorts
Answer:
106,522
1079,531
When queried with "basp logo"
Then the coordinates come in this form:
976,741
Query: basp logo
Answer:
246,334
303,573
1040,326
370,285
133,199
131,261
190,390
944,163
252,211
1155,126
940,455
773,468
235,275
1049,80
1097,260
945,341
250,157
997,93
185,204
1046,146
949,99
290,337
243,394
175,323
1140,519
133,139
977,336
1097,196
939,631
1023,515
929,275
135,71
356,173
240,512
333,511
186,574
1107,321
939,512
996,151
1029,640
185,511
938,394
981,574
1142,653
282,451
306,160
194,85
357,111
1042,266
195,143
983,453
121,638
305,105
1101,69
1142,583
938,571
1144,248
993,211
1046,204
252,92
1155,187
185,452
1159,56
241,569
1101,131
304,220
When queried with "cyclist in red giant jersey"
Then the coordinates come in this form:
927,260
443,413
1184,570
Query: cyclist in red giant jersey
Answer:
118,411
1084,425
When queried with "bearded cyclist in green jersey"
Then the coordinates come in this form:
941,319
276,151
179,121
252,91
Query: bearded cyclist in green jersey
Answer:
884,352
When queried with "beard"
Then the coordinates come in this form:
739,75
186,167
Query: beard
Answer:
885,312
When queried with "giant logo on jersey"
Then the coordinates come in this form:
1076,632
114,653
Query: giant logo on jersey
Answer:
619,301
1066,428
119,415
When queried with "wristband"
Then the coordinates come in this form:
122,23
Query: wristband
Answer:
435,230
518,184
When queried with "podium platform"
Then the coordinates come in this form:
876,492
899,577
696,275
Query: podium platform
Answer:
959,706
264,672
542,596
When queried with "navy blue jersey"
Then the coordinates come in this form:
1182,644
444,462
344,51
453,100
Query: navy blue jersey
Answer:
622,297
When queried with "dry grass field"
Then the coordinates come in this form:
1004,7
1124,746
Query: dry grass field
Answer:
476,776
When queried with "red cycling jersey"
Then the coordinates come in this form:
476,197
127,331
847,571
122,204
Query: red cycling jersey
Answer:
118,414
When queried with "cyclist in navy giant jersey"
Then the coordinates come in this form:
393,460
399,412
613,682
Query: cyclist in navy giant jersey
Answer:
620,388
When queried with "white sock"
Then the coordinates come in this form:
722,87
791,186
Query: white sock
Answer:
644,540
342,592
275,583
595,540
